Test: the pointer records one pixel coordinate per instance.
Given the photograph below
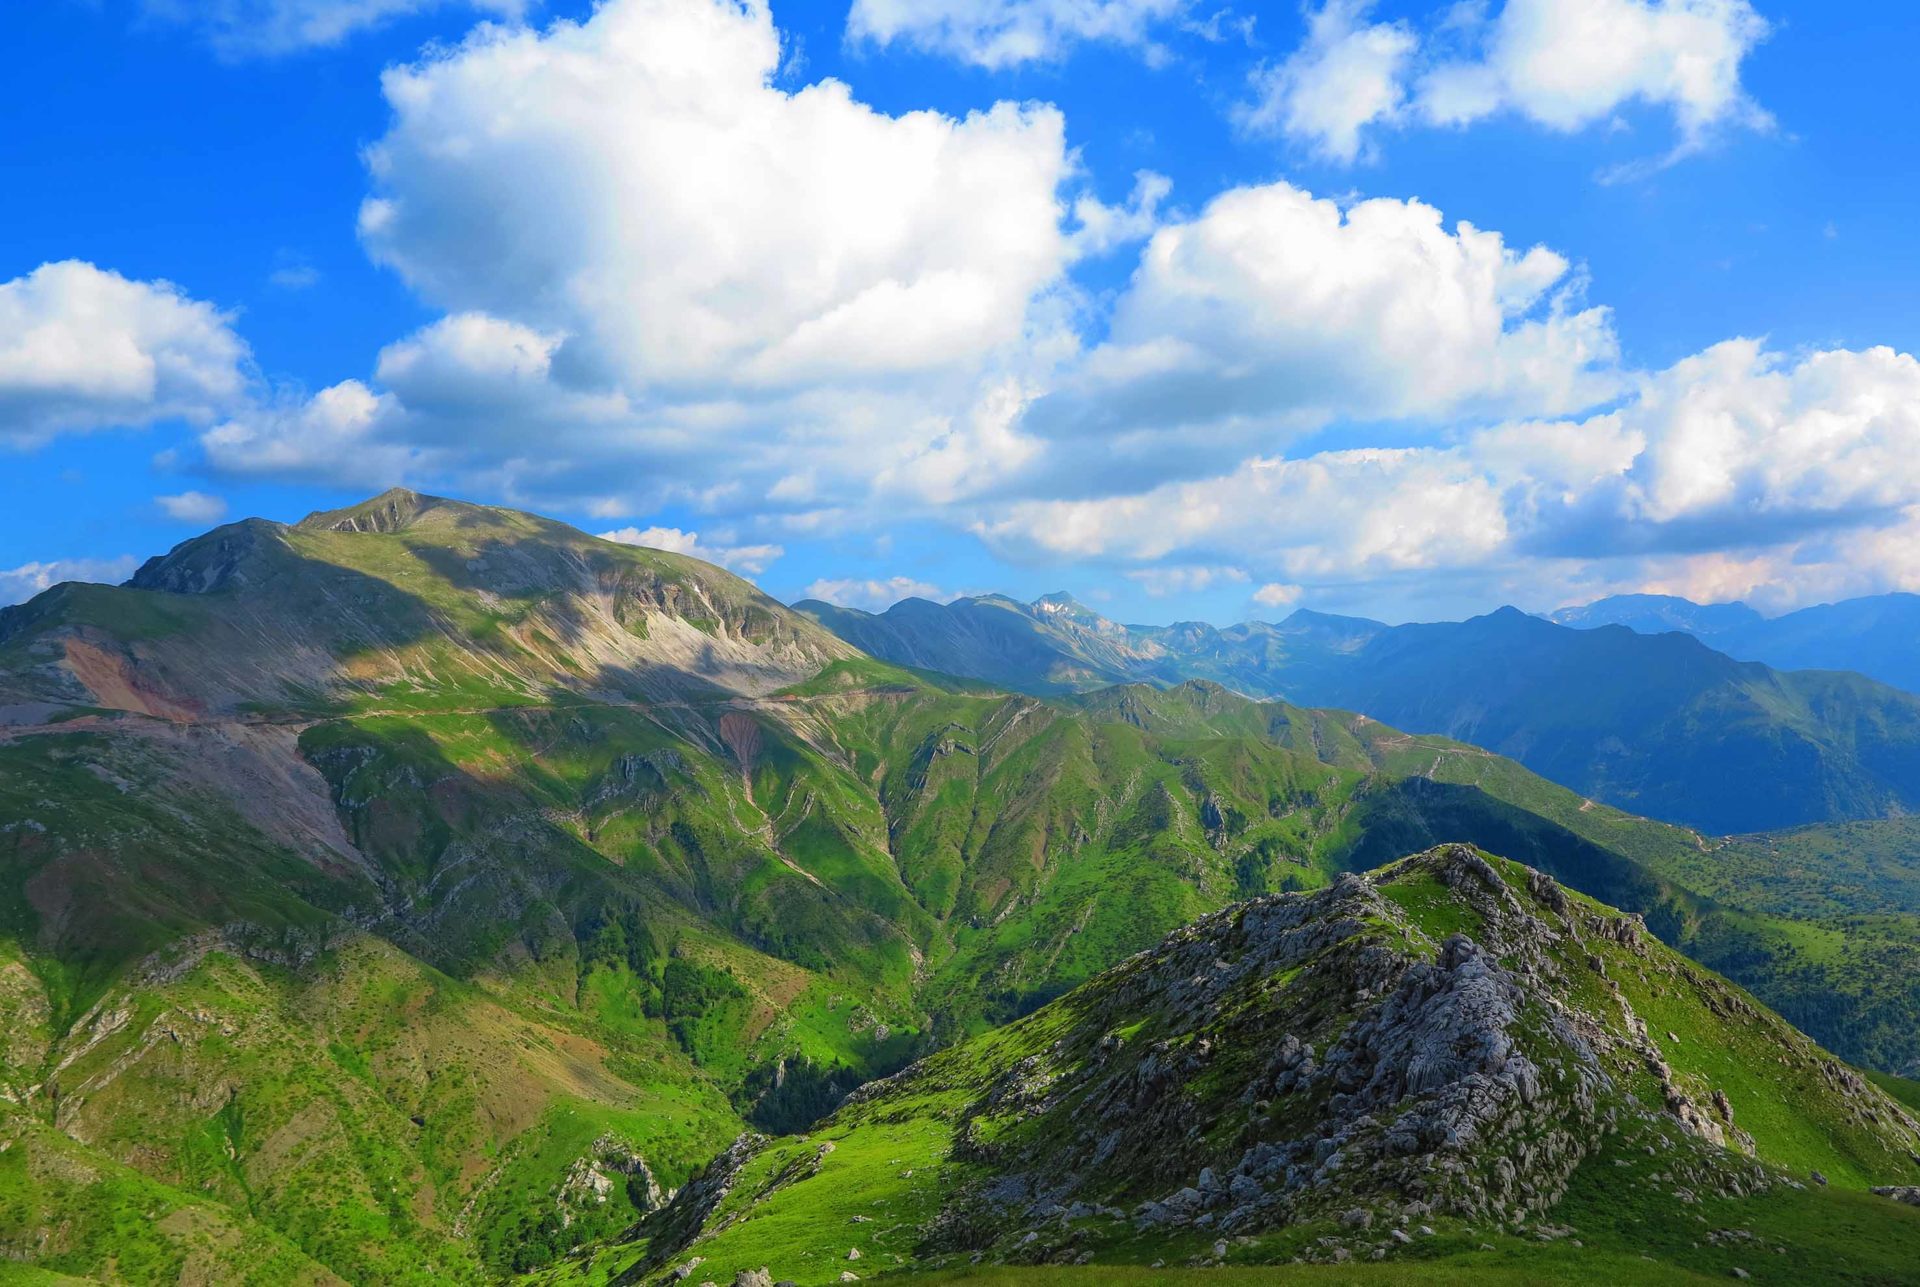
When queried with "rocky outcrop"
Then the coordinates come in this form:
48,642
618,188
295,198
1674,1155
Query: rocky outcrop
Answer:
672,1228
1409,1098
1376,1077
590,1182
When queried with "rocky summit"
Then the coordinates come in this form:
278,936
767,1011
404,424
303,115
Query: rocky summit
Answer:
1452,1052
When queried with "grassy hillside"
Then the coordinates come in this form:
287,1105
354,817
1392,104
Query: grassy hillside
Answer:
407,603
421,888
1453,1057
1845,976
1658,724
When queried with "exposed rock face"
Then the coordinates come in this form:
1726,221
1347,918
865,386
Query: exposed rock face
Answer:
1407,1099
590,1181
679,1223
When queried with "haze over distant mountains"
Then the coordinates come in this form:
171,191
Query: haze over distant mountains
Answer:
1660,724
1878,636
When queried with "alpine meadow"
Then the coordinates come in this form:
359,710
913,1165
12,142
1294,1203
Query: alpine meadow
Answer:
543,742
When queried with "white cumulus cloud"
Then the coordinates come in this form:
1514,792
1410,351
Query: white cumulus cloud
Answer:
1274,312
1736,444
1006,33
1736,470
1348,75
1564,65
1567,64
738,234
347,433
1334,514
1277,594
880,322
193,507
83,348
668,277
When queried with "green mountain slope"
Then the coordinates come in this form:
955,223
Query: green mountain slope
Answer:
426,886
1450,1056
1658,724
1840,964
405,603
366,979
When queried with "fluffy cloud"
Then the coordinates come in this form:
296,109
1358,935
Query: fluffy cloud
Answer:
870,287
1562,64
1734,471
874,595
1274,312
20,584
883,317
192,507
1005,33
1348,75
346,433
748,559
83,349
882,325
853,243
1277,594
1873,559
1733,446
257,28
1335,514
1566,64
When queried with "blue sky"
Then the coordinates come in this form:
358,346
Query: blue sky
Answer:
790,290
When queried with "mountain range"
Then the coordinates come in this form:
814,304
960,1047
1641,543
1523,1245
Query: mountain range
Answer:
1659,724
1878,635
425,892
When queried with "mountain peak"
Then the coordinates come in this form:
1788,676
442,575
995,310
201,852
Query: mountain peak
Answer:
393,510
233,555
472,598
1658,614
1063,607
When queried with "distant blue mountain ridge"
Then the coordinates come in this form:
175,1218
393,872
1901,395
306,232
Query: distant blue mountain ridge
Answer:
1657,712
1877,636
